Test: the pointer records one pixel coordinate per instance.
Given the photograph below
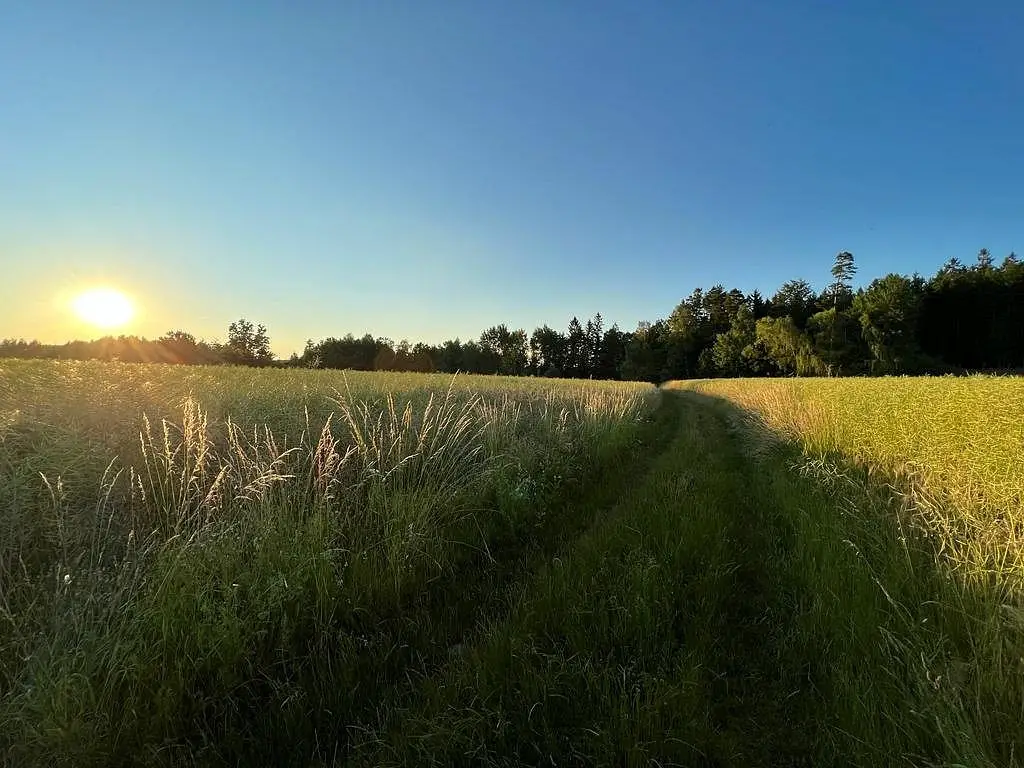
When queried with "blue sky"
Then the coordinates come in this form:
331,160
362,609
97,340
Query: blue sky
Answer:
425,170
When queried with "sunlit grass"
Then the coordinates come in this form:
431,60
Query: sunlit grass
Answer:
239,566
180,544
915,561
955,444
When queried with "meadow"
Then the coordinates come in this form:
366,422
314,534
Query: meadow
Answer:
926,482
215,565
191,556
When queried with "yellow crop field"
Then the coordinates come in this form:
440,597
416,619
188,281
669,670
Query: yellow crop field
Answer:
956,444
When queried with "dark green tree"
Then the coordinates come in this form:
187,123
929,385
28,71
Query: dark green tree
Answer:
733,351
843,271
794,299
888,312
784,349
613,352
841,294
509,347
837,341
594,337
646,354
548,352
449,356
247,344
575,350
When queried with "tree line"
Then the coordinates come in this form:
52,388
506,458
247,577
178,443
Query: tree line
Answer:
964,318
247,344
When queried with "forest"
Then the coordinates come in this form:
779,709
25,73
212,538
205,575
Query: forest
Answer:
962,319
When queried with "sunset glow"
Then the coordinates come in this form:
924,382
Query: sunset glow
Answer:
103,308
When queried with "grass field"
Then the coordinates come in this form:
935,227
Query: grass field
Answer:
927,475
953,446
208,566
199,563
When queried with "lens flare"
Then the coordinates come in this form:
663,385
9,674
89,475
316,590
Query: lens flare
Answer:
103,307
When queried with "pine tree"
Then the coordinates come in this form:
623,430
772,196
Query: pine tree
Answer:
576,341
843,271
595,336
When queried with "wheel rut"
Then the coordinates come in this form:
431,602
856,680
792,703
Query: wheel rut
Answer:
661,633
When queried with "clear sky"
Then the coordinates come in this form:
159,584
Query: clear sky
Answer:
423,170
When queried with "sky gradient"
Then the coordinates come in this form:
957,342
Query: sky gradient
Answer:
425,170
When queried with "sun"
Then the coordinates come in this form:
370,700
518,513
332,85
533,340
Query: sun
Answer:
103,307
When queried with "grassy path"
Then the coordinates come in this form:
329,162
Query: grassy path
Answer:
685,598
689,589
661,637
362,680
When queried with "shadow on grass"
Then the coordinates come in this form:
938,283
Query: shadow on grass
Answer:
317,696
916,664
704,595
742,604
662,637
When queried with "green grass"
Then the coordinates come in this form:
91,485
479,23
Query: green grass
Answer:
924,608
206,566
659,638
200,563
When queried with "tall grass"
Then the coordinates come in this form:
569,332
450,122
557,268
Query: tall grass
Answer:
954,445
917,560
195,561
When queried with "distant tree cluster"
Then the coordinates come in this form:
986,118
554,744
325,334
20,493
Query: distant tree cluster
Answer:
962,319
581,352
246,345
